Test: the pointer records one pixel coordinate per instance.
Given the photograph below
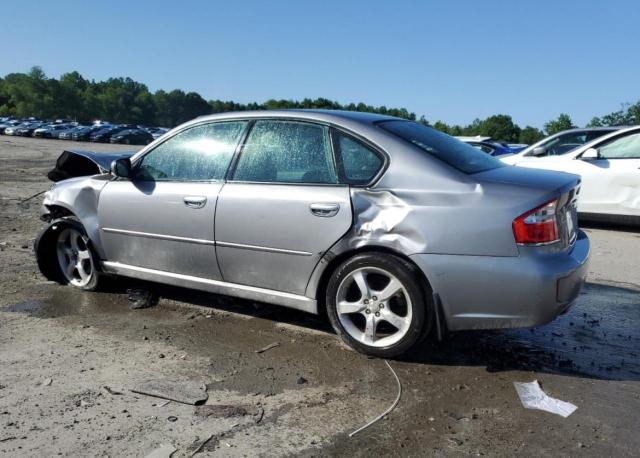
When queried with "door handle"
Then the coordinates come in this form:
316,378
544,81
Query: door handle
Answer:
195,201
325,209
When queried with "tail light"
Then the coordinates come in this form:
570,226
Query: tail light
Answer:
537,226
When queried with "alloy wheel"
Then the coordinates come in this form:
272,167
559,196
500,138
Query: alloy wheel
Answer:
373,307
74,257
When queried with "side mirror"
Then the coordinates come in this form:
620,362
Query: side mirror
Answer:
539,151
121,168
590,154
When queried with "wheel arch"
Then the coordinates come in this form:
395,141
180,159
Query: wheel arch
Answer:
319,288
44,246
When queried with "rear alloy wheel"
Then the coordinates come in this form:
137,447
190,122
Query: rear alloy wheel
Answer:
75,259
375,303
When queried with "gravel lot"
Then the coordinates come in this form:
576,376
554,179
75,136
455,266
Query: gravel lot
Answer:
59,348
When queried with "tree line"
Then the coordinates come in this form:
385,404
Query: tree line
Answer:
124,100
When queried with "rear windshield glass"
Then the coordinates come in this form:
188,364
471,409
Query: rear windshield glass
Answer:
457,154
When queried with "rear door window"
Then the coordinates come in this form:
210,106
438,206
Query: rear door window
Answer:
286,152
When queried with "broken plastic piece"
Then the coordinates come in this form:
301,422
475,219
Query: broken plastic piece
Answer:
533,397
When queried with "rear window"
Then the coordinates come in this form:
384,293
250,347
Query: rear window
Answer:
457,154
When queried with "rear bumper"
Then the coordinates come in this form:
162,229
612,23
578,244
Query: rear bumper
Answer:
485,292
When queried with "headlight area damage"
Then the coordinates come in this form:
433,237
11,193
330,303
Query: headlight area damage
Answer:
85,174
72,163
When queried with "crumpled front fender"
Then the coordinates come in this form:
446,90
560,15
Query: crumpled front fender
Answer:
79,196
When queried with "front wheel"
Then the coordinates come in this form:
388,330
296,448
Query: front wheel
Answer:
76,261
377,305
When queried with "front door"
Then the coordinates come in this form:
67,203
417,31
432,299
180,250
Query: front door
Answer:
163,217
282,209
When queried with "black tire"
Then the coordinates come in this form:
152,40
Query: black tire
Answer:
47,258
422,315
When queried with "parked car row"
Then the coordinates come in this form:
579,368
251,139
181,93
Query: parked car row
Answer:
64,129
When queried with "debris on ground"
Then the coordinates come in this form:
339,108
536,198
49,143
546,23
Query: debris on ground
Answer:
172,418
260,414
111,391
201,445
268,347
164,451
301,381
532,397
391,407
141,298
161,404
48,382
222,410
185,392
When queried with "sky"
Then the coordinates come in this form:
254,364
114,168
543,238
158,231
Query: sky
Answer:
447,60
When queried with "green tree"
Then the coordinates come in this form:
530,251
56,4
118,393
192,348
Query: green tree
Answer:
530,135
499,127
558,125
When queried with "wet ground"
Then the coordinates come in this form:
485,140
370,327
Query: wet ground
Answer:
59,348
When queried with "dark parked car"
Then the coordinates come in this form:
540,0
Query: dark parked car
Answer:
27,131
492,148
132,137
85,133
67,134
104,135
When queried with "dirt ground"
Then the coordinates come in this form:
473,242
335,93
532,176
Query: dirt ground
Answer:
61,348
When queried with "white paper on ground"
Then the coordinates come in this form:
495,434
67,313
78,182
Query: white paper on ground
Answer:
533,397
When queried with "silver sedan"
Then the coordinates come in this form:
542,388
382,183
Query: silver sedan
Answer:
393,228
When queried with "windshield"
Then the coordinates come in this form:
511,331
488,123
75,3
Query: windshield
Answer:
448,149
566,142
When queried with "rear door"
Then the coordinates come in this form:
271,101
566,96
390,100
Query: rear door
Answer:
163,218
282,208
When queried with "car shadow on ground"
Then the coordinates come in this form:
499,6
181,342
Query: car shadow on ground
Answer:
599,337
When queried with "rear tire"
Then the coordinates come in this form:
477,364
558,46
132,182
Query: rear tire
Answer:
377,304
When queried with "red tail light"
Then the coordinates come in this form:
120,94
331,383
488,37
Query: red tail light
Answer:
538,225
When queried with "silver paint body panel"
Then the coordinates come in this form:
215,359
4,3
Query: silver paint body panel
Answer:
180,237
261,240
276,217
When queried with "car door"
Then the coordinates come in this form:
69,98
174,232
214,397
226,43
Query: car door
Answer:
163,217
611,182
282,208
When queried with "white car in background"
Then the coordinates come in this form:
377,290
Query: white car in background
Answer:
610,171
558,144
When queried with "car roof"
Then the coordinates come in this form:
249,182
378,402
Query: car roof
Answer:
311,114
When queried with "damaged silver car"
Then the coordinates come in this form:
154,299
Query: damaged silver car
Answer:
390,227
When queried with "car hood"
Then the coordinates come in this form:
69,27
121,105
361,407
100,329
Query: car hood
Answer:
530,178
75,163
